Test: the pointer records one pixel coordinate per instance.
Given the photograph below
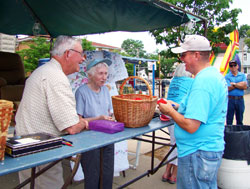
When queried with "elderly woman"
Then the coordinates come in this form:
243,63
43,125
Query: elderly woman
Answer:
178,88
93,102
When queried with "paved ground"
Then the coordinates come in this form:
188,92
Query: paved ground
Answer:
153,181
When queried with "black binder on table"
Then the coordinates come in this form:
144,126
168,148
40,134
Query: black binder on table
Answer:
28,144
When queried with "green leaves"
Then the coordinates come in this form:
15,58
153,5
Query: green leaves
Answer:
247,39
87,45
167,66
243,30
134,48
217,13
38,48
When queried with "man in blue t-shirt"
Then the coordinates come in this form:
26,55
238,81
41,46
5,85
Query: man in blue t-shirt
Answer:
237,83
199,129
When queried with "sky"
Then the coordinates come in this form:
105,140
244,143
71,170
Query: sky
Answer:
116,38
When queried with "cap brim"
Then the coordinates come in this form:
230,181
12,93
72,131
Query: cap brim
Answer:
178,50
107,61
93,63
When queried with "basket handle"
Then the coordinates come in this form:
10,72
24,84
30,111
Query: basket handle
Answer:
136,77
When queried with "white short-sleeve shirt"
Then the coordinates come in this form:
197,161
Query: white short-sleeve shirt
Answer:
48,104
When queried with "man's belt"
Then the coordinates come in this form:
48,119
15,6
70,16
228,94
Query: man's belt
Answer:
235,97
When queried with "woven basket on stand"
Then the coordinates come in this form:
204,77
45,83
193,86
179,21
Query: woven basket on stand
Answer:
6,109
131,111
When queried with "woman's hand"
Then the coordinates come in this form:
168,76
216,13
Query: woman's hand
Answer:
103,117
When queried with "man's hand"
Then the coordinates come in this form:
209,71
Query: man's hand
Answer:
84,123
166,108
232,87
240,85
77,128
189,125
233,84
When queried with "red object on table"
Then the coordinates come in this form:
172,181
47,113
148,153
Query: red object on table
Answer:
162,101
164,117
137,99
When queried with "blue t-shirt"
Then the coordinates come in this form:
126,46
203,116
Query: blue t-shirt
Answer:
235,79
178,88
92,104
206,102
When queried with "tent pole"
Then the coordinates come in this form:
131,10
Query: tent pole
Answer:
50,47
205,27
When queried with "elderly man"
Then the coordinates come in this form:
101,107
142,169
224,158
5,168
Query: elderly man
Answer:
48,104
237,83
200,119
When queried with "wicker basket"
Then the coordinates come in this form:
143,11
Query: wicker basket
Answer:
134,113
6,109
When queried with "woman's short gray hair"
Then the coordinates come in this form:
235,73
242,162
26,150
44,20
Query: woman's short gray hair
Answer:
181,71
62,44
92,70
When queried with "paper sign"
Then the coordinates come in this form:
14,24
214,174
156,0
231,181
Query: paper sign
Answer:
150,65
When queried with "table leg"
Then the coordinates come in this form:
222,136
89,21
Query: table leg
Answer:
153,169
33,176
164,162
137,154
36,174
153,152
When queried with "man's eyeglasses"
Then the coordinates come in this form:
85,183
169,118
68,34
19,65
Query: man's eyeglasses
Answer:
232,65
182,55
81,53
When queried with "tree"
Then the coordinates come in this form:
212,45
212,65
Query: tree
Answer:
167,66
87,45
247,39
134,48
38,48
243,30
218,15
130,68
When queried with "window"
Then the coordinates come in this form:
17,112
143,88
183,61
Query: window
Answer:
245,70
245,56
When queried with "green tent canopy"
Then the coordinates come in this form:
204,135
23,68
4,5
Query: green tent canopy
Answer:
79,17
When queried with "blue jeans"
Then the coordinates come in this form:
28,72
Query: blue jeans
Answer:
198,170
237,107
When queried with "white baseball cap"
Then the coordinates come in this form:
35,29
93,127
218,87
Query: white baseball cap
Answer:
193,43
